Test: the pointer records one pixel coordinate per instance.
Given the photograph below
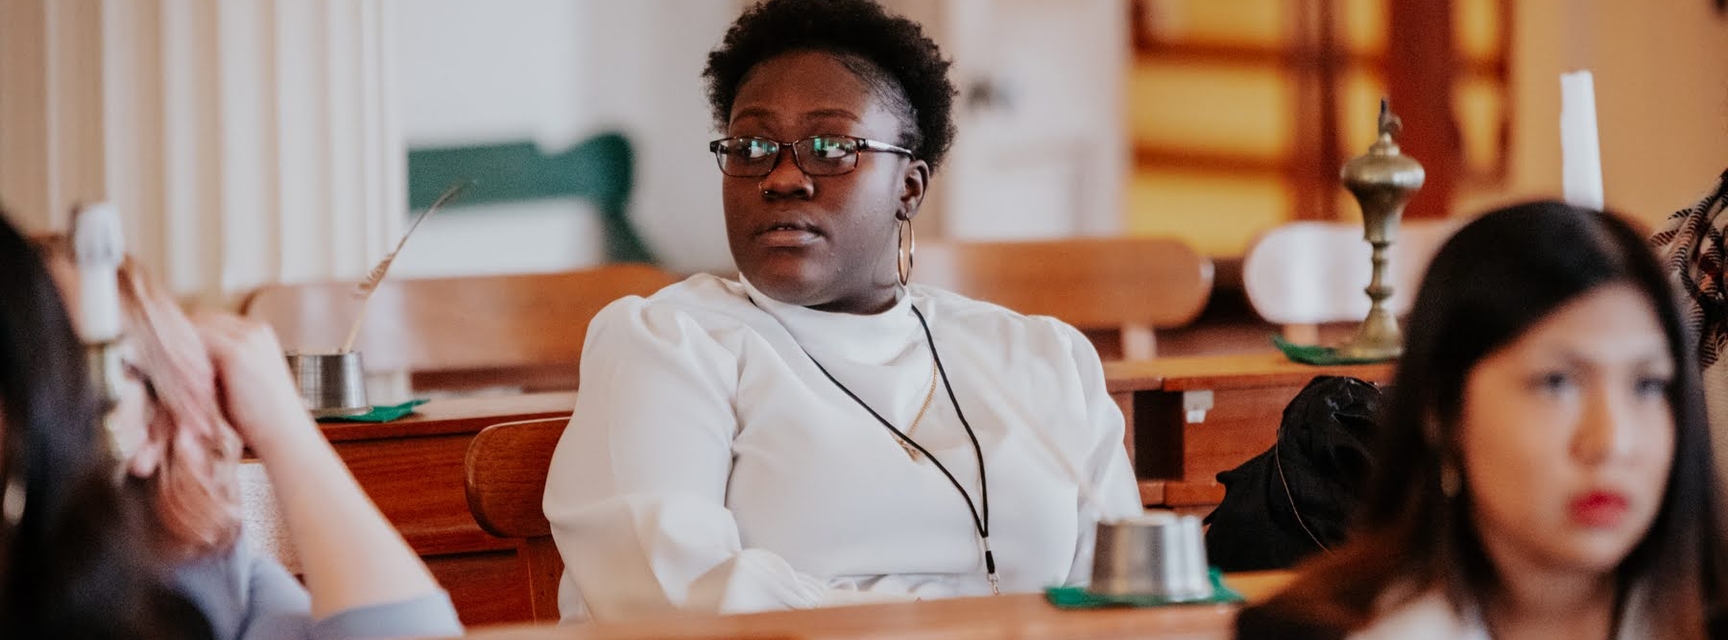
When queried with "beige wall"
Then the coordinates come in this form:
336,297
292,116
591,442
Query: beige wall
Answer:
1661,70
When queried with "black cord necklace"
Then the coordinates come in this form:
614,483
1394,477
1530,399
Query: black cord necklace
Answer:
980,520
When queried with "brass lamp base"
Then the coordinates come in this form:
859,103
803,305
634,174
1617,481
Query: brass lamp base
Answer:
1382,182
1376,339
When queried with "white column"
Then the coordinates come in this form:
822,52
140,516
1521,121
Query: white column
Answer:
245,141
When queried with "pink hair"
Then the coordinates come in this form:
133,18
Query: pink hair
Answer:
190,456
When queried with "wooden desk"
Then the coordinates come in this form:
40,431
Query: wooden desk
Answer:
1208,414
413,467
1025,616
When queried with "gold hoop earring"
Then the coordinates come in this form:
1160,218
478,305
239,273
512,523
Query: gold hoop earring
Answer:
908,246
12,501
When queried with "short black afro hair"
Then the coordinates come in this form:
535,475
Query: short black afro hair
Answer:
900,62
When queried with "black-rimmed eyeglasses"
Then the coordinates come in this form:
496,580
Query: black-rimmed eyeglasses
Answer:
825,155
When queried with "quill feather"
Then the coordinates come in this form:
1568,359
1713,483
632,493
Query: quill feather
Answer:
376,275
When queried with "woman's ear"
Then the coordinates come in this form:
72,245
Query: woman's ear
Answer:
913,183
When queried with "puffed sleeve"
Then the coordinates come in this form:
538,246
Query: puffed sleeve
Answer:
636,494
1112,492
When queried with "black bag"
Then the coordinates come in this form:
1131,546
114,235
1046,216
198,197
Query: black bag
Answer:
1293,500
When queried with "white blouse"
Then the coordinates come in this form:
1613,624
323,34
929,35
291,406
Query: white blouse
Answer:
1431,616
711,466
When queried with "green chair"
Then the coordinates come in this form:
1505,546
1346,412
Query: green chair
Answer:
598,169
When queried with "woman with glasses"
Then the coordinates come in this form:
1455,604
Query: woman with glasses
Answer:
824,430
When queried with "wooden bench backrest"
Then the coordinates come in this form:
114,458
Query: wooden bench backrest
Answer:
1125,285
505,478
503,329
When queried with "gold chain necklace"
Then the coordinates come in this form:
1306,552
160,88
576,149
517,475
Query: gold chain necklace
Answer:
905,441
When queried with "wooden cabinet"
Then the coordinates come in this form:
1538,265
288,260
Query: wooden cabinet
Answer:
413,470
1209,414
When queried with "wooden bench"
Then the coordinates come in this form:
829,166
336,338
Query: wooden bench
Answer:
523,331
505,478
1116,290
1024,616
415,470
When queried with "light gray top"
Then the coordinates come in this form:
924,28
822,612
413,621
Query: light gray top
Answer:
248,596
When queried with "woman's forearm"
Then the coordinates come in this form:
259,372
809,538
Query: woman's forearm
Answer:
352,556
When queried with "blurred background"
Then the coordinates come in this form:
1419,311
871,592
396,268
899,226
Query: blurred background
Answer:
258,141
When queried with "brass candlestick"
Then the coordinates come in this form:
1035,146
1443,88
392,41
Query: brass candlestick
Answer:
1382,181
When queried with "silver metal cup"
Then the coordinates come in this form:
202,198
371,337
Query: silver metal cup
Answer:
1159,555
331,384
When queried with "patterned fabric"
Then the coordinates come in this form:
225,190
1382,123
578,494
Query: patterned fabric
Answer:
1691,248
1692,252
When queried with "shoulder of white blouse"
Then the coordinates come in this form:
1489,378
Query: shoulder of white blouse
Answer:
1426,615
715,308
707,299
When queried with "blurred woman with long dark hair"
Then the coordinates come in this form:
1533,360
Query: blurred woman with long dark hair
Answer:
1545,467
72,559
143,540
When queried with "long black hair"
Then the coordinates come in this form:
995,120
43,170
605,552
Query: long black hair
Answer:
72,559
1491,282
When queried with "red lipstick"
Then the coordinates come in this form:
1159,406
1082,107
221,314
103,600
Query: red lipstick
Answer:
1600,509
